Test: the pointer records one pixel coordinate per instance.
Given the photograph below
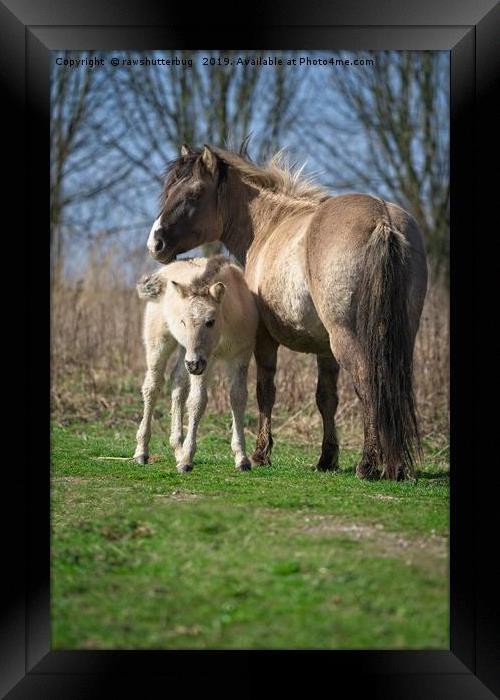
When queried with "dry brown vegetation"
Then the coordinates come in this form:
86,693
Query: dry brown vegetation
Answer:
98,364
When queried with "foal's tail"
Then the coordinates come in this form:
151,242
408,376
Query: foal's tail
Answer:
150,286
383,328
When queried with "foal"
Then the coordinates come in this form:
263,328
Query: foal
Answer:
204,306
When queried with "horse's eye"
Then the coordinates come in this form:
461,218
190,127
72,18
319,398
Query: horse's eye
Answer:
209,324
183,323
176,212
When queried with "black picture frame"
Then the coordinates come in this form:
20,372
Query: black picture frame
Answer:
470,31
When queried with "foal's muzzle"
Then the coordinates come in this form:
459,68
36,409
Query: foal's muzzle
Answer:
196,366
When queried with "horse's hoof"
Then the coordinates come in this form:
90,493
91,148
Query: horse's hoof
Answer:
244,466
399,474
326,467
368,471
141,459
260,459
183,468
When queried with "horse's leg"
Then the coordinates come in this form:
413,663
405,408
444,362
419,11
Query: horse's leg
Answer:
238,372
327,400
266,351
180,389
158,351
196,404
347,351
369,466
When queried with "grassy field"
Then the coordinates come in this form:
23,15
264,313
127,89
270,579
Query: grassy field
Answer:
279,557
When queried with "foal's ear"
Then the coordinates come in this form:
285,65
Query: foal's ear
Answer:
185,150
209,159
180,289
217,291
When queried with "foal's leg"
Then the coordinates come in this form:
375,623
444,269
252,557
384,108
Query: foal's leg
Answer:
345,347
196,404
266,351
157,353
327,400
238,372
179,380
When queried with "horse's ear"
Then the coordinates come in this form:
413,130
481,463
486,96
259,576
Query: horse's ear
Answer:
180,289
185,150
217,291
209,159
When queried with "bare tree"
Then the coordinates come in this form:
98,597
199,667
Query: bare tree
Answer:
384,129
77,176
160,108
156,108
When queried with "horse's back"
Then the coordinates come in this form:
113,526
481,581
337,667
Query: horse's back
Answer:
347,222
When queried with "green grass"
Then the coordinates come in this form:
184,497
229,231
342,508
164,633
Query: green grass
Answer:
279,557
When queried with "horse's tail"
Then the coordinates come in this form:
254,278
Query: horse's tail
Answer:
383,329
150,286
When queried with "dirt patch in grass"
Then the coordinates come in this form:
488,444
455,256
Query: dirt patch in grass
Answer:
420,550
382,497
157,458
70,480
132,530
177,496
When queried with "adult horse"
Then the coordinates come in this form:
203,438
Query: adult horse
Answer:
343,277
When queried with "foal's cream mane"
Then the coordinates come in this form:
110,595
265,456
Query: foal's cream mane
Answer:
278,175
197,280
210,272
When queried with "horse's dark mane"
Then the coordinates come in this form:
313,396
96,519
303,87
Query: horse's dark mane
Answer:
178,169
277,175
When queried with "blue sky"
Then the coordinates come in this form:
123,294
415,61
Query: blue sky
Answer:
131,227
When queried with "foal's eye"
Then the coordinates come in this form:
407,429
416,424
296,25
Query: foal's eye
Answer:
209,324
183,323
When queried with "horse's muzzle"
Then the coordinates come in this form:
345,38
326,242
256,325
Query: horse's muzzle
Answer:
163,259
163,255
158,247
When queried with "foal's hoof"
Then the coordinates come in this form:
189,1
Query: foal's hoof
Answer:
183,468
141,459
365,470
260,459
244,466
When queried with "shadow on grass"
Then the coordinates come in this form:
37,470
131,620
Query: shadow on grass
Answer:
430,475
434,475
